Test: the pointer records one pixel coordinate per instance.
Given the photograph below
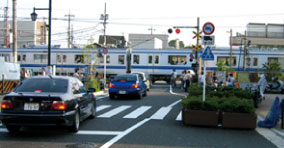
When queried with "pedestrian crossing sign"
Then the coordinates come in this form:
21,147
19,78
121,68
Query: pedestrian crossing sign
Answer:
207,54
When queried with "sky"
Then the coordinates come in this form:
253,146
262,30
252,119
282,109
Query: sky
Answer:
138,16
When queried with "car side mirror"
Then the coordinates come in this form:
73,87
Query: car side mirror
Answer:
92,90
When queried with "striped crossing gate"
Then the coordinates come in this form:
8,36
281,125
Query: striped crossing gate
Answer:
8,85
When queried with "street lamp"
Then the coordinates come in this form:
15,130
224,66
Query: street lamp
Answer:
34,17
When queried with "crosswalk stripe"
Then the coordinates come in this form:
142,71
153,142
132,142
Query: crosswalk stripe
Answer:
161,113
178,117
114,111
102,107
136,113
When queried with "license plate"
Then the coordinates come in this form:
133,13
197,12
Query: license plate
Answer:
31,106
122,92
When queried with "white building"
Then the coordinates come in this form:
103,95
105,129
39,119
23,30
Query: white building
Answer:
29,33
157,41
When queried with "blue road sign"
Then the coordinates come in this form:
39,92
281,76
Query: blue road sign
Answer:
207,54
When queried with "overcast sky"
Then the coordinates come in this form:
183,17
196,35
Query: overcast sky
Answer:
137,16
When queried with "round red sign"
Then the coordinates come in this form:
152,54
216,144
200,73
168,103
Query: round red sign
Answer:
208,28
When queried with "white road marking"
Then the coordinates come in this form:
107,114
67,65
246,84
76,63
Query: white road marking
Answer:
89,132
101,97
161,113
4,130
173,104
178,117
118,137
102,107
136,113
114,111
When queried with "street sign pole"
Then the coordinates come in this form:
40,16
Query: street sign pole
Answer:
204,82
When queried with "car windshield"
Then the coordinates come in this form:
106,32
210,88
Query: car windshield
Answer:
129,78
43,85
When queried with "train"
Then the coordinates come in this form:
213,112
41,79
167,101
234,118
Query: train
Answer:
157,64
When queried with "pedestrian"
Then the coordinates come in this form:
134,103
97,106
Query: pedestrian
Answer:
182,79
231,80
43,71
23,74
173,77
76,74
262,83
187,79
201,79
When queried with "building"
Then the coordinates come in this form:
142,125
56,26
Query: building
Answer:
145,39
29,33
262,35
113,41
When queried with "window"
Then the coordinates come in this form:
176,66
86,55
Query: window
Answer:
107,59
156,59
248,61
79,59
19,58
24,58
6,57
255,61
272,60
136,59
150,59
177,60
64,59
58,59
40,58
121,59
227,60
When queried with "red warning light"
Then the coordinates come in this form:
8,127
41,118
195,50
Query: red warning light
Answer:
177,31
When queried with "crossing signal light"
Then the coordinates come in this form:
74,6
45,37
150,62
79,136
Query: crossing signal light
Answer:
170,30
191,57
177,31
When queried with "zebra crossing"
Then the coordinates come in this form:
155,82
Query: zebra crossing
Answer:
159,114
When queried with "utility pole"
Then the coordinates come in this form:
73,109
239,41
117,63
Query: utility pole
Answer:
15,48
231,47
69,28
104,17
7,29
151,29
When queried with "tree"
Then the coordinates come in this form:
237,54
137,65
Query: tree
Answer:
272,70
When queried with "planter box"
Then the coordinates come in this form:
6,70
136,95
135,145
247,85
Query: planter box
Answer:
239,120
200,117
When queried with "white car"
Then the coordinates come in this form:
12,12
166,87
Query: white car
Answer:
146,81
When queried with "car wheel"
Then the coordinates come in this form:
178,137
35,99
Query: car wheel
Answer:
111,96
76,122
139,96
13,129
145,93
93,112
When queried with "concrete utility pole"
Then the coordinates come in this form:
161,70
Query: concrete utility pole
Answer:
69,28
151,29
7,28
15,47
104,17
231,47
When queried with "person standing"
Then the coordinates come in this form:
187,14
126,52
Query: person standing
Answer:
231,80
262,83
173,77
201,79
43,72
187,79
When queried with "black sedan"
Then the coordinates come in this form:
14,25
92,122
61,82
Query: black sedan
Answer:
47,101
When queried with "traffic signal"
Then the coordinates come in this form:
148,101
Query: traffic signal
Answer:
177,30
191,57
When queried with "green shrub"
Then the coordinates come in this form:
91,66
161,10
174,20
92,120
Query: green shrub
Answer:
196,103
94,84
194,90
236,105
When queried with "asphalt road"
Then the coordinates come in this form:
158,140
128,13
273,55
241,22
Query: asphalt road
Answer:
152,122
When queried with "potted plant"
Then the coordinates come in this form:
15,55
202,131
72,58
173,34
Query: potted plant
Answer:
238,113
198,112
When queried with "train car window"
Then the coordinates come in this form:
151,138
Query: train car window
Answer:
58,59
150,59
272,60
40,58
19,58
64,58
6,57
227,60
177,60
136,59
24,58
121,59
79,59
156,59
107,59
255,61
248,61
